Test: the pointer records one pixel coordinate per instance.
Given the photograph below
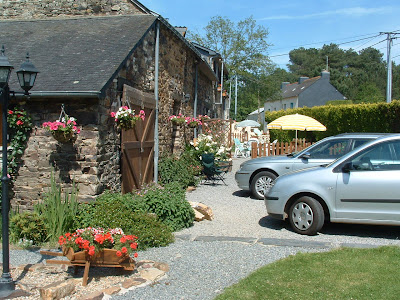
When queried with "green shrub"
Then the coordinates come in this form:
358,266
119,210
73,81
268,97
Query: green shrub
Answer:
168,203
58,210
111,210
107,211
368,117
28,226
150,231
185,170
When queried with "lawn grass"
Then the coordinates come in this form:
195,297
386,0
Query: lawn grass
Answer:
339,274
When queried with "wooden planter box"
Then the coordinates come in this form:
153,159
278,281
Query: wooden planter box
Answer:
105,258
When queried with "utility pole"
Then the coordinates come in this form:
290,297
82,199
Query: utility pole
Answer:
235,96
389,39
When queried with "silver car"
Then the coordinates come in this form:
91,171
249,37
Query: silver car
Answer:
257,174
361,187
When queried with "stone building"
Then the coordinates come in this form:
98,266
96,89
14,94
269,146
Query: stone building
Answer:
93,57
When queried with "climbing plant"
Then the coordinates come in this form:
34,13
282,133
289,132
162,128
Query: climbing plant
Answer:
19,127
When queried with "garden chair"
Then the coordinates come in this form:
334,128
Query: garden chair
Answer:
241,149
211,170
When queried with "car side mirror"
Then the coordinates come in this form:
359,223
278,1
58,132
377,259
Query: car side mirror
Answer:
306,155
347,167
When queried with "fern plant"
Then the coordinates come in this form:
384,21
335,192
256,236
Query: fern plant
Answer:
58,209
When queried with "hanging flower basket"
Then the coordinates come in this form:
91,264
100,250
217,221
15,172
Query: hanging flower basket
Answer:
177,120
64,130
125,117
192,122
64,136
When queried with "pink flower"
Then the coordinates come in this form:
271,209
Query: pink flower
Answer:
112,114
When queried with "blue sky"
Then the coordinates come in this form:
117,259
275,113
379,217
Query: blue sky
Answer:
292,24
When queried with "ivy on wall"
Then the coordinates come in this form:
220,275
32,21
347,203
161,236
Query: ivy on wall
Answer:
19,127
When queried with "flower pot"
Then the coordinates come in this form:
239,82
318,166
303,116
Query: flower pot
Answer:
64,137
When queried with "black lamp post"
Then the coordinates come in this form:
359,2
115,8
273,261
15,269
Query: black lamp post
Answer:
26,76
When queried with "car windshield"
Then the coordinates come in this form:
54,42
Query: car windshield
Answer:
328,149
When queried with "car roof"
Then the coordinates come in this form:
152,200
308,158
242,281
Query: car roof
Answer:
361,134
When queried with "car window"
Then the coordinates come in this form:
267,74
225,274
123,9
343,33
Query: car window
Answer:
330,149
378,157
358,142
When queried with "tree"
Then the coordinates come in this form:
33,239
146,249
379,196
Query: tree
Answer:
243,46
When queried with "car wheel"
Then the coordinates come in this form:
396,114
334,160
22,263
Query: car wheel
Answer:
262,182
306,216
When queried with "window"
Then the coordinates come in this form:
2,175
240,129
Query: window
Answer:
284,106
291,105
330,149
379,157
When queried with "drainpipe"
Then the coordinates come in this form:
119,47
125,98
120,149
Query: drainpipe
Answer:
156,140
195,95
222,81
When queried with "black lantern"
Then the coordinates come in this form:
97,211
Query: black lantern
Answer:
5,69
27,75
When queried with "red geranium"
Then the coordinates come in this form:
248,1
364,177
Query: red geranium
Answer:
94,240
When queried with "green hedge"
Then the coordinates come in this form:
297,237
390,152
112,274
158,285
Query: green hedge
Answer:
370,117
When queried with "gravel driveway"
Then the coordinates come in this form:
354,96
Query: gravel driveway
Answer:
213,255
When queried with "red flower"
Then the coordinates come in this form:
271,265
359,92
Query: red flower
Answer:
135,255
119,253
124,250
61,240
91,250
19,122
10,112
134,246
99,238
123,240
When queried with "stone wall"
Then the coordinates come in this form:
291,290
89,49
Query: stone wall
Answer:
92,161
38,9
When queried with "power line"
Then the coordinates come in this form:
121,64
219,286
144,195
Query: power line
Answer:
330,41
336,44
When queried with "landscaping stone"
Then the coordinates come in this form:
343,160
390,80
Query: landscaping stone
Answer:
151,274
203,209
198,216
133,282
93,296
57,290
112,290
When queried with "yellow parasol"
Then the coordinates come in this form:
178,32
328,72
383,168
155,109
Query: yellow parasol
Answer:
296,122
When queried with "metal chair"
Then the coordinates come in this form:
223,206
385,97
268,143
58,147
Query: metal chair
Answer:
211,171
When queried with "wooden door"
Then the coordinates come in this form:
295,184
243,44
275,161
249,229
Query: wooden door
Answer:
137,144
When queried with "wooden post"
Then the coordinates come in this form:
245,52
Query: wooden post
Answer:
86,273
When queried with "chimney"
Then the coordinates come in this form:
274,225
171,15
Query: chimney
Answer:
283,84
302,79
325,75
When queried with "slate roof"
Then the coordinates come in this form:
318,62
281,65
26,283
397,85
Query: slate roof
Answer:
74,54
294,89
